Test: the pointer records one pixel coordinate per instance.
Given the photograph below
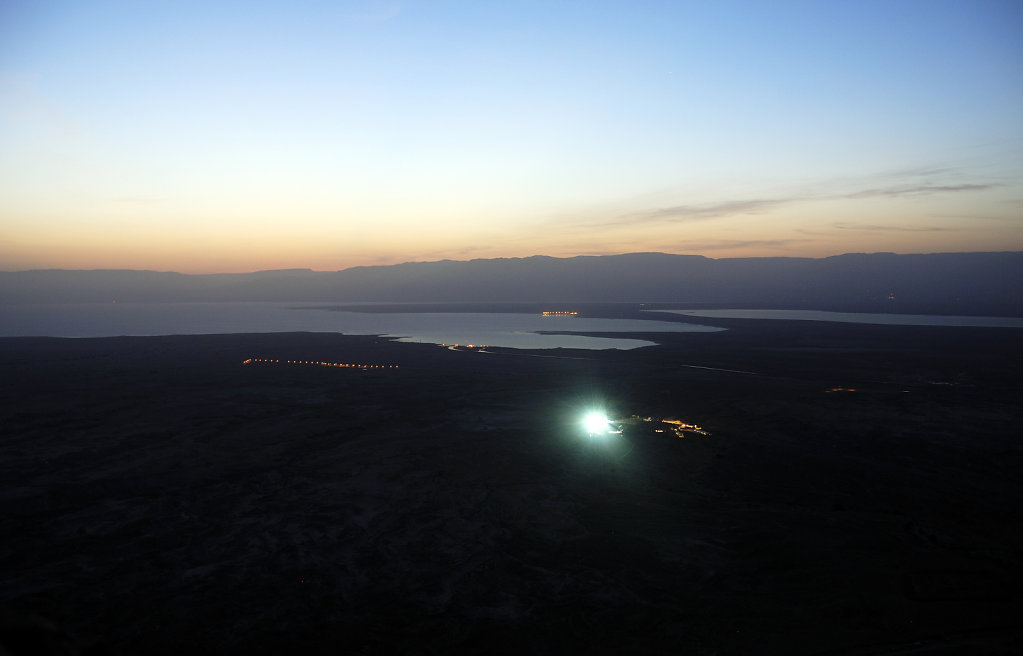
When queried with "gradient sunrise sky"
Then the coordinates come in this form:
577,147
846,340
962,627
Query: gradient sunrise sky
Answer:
236,136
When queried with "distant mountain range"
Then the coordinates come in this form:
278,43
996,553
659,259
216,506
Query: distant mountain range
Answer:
954,283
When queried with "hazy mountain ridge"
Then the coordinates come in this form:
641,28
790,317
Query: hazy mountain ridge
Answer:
969,283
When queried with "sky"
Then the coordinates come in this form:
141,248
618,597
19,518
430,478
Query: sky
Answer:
228,137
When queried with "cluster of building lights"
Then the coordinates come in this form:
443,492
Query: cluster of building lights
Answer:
681,427
345,365
559,313
597,423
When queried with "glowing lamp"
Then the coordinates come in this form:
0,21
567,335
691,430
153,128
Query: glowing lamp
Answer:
595,422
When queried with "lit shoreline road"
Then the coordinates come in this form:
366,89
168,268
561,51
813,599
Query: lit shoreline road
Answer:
342,365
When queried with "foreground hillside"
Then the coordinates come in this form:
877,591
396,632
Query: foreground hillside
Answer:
858,494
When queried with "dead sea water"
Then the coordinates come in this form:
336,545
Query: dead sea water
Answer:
856,317
512,330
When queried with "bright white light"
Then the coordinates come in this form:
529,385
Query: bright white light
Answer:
595,422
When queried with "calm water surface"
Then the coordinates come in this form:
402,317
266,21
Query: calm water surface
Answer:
856,317
512,330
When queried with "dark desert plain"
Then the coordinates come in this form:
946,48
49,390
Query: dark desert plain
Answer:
163,496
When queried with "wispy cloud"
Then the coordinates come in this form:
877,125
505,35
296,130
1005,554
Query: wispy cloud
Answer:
457,253
958,216
728,244
916,190
746,206
916,172
873,227
689,213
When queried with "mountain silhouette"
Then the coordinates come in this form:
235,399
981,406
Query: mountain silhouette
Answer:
963,283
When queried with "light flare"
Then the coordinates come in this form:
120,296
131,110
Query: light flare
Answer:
595,422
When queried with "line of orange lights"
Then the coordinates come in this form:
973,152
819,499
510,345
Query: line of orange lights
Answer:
343,365
840,389
560,313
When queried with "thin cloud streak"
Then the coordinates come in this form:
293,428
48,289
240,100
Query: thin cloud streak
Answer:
690,213
693,213
871,227
916,190
729,244
918,172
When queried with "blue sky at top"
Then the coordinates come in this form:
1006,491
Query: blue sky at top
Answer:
236,136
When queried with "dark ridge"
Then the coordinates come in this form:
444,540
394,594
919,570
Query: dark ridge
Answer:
950,283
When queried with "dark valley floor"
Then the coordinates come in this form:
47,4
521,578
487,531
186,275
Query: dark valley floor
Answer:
858,493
